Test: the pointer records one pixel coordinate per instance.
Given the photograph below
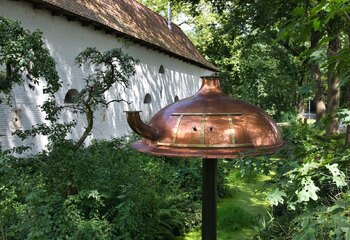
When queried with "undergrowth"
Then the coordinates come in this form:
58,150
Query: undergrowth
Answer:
104,191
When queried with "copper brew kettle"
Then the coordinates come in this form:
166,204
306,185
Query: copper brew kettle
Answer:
209,124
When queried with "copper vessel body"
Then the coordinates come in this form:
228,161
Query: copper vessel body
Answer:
207,125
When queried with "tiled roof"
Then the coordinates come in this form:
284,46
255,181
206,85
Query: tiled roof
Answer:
132,20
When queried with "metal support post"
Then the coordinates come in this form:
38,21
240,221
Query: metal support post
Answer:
209,199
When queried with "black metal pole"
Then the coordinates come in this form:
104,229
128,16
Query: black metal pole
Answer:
209,199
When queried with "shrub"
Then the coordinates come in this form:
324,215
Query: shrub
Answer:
310,186
104,191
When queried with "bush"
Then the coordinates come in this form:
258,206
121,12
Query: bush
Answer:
288,116
310,186
105,191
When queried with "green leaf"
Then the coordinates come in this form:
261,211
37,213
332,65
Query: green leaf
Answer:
276,197
317,55
338,176
316,24
344,116
308,233
318,8
305,169
333,208
298,11
308,190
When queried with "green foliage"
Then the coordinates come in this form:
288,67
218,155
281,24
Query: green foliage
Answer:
268,52
253,66
232,218
24,60
344,116
330,222
104,191
310,167
56,133
27,61
309,186
161,7
288,117
22,53
110,68
267,72
276,197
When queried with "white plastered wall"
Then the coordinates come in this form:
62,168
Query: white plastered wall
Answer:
65,40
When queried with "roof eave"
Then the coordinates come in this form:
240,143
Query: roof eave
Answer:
71,16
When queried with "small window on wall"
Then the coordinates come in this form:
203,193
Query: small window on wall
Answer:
176,98
71,95
16,113
161,69
147,99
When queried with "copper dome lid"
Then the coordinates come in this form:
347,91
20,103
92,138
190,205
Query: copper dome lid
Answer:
209,124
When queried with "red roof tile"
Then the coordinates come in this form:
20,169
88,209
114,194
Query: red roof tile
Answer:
133,20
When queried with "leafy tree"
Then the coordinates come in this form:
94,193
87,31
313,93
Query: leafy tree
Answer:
110,68
302,28
227,33
325,21
311,31
25,60
179,10
267,72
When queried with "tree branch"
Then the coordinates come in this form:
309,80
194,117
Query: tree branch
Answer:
185,22
347,15
112,101
73,106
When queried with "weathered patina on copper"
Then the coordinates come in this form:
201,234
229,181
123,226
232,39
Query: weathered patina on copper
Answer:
209,124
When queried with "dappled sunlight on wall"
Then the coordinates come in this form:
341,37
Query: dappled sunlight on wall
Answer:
25,108
65,40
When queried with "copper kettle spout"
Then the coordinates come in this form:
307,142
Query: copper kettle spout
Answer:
139,127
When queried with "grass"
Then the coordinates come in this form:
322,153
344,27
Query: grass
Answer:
240,215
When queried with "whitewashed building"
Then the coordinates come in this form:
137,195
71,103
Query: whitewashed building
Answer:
170,67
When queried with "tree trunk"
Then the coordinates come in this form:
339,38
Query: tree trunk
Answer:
300,98
348,95
347,140
301,107
320,103
90,121
317,77
333,93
